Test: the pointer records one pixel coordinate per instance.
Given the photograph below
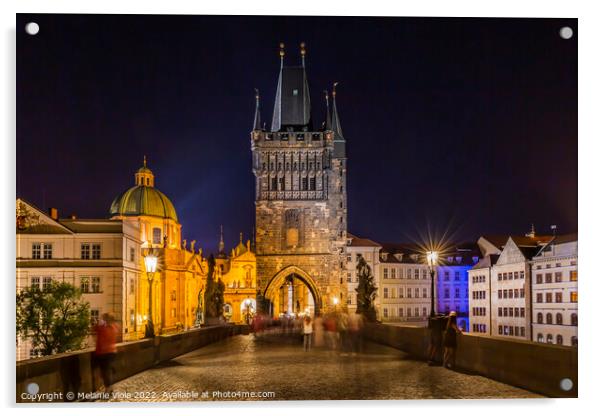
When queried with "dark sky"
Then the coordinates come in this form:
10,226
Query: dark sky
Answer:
466,124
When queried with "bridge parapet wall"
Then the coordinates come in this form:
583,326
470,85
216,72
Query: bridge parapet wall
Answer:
533,366
73,372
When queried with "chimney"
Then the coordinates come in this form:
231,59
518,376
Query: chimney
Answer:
54,213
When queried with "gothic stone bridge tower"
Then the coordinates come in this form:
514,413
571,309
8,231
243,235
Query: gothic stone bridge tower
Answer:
300,200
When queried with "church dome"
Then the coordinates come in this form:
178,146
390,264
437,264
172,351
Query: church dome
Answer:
143,199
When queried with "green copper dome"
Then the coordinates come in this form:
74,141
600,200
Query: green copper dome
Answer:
144,198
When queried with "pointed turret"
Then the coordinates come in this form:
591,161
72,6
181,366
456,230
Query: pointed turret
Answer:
292,108
328,122
336,122
221,240
257,120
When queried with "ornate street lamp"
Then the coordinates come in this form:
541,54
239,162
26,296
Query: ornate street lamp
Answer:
431,261
150,263
247,310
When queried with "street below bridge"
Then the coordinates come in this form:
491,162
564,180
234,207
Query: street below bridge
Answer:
275,368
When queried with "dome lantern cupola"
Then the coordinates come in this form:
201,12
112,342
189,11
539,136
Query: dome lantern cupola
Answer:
144,176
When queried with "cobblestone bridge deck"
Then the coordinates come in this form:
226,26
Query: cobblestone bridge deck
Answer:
245,364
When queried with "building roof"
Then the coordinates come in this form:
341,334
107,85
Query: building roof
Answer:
292,107
143,200
487,261
361,242
92,225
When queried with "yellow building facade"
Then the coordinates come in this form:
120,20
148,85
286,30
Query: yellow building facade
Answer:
238,271
178,283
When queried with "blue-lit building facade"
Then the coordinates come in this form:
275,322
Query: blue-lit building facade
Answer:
452,283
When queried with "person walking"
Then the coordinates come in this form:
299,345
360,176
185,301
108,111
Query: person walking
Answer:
307,331
318,334
450,341
106,350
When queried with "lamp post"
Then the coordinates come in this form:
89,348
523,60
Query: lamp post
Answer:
431,260
247,310
150,263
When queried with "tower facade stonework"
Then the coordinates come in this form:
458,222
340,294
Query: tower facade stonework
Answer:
300,199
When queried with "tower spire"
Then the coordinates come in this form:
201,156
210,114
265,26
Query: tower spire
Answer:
336,122
144,162
221,239
328,124
257,120
302,54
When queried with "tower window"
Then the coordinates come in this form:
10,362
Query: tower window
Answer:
312,184
304,184
295,92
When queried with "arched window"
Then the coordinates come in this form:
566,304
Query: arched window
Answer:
539,337
156,235
558,319
549,339
549,318
574,341
559,339
540,318
574,319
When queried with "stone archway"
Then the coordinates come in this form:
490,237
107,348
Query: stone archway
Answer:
297,273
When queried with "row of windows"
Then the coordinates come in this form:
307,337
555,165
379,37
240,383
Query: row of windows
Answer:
558,297
479,328
87,251
511,275
400,312
41,251
279,184
398,274
511,330
539,278
559,340
45,282
479,294
479,311
559,319
88,284
391,293
287,166
511,293
478,279
511,312
549,265
446,276
90,251
446,293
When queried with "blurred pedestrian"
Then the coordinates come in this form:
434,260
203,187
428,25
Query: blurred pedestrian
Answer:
450,341
436,339
330,327
355,326
307,331
342,329
106,350
318,331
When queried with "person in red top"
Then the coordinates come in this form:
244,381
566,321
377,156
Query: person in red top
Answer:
106,338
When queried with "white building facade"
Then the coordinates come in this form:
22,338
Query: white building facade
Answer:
369,250
554,288
101,257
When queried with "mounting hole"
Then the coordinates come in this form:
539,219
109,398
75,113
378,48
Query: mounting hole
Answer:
566,384
32,28
33,388
566,32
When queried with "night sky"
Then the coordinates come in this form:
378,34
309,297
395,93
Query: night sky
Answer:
461,124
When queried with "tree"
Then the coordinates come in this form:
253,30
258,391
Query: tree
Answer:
55,319
366,291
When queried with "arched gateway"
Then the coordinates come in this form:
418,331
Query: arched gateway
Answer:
300,200
292,291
